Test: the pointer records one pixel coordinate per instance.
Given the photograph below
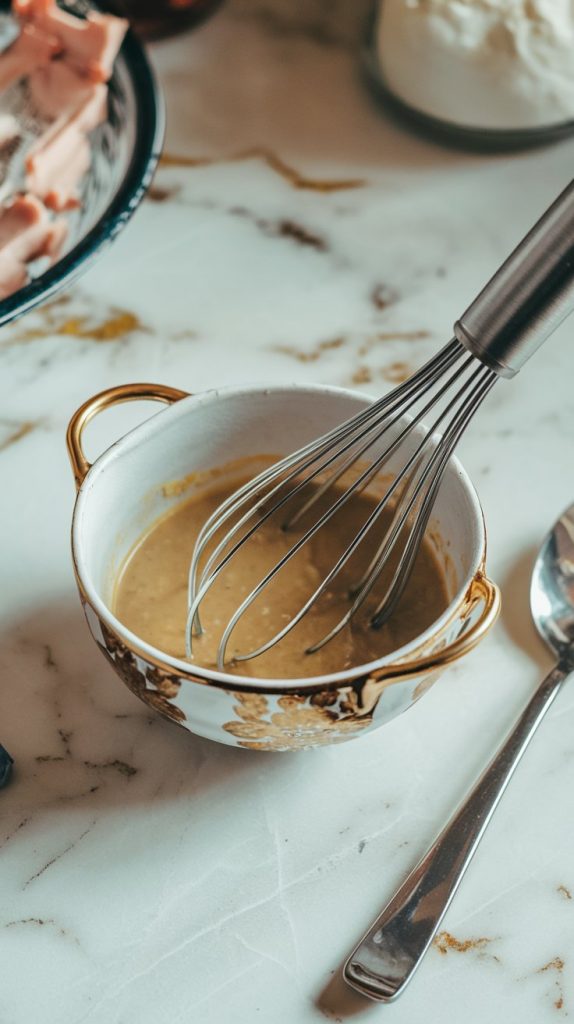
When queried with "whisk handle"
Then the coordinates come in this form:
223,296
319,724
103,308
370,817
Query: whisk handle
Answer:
528,297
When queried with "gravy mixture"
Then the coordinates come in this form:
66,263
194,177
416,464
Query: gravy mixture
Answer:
151,592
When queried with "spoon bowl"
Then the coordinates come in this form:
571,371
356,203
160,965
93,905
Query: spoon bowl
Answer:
552,586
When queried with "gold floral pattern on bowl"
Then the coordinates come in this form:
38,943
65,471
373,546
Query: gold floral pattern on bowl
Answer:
153,685
300,721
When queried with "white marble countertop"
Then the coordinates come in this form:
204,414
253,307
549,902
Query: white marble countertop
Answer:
149,876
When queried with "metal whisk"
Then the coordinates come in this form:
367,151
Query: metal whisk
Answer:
518,309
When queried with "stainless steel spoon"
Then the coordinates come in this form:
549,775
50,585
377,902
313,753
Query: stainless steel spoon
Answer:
386,958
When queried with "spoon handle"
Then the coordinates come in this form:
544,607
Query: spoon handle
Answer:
385,959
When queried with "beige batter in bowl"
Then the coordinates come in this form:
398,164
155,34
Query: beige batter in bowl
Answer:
131,485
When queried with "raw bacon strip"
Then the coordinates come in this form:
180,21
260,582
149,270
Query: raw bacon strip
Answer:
26,232
57,89
61,156
63,194
31,49
55,171
13,275
90,44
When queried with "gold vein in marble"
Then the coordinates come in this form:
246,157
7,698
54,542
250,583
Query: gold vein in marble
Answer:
557,965
18,431
117,325
444,942
311,355
362,375
373,339
397,373
274,162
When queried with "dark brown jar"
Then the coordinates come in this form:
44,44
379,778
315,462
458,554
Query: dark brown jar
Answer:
155,18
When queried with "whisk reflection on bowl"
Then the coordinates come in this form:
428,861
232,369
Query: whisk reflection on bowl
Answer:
518,309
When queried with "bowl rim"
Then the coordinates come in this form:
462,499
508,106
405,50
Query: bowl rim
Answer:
149,136
196,673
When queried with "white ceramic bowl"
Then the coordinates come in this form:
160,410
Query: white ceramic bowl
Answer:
123,492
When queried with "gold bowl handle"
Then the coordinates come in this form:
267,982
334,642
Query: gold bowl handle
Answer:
104,400
481,591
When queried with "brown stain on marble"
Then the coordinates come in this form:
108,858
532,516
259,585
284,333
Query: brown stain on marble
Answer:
119,766
402,335
382,296
397,373
57,857
20,431
29,920
49,660
11,834
274,162
557,965
185,335
362,375
297,233
444,942
311,355
65,736
564,891
373,339
43,922
156,194
284,228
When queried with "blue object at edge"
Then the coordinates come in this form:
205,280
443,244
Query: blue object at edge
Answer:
6,763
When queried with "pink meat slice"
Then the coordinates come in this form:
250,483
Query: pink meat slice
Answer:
57,89
13,275
90,44
64,194
26,232
30,50
61,156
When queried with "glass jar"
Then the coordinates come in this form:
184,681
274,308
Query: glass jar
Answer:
475,73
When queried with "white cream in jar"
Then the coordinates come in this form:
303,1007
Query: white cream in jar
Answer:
485,64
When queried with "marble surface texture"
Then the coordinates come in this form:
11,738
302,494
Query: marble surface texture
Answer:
292,233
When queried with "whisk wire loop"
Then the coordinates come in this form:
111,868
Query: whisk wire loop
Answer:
364,478
388,543
324,462
346,434
436,465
